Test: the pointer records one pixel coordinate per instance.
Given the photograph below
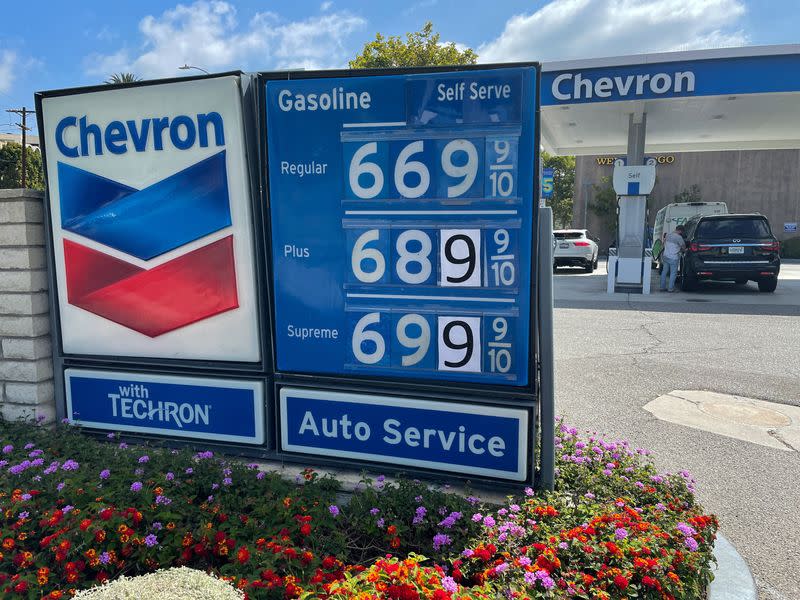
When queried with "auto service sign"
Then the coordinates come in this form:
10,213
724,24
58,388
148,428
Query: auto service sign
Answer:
151,217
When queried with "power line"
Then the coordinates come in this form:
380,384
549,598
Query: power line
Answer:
23,112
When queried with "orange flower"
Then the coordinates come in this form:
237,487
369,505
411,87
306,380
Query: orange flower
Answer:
243,555
391,530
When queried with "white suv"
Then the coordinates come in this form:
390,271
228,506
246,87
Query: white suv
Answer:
575,248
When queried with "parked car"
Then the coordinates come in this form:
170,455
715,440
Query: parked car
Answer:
576,248
678,213
730,247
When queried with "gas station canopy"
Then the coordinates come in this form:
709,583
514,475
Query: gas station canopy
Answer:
725,99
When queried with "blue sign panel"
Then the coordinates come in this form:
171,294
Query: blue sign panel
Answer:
460,438
547,183
707,77
402,224
224,410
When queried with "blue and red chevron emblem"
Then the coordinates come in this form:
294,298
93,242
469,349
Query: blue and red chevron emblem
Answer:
145,224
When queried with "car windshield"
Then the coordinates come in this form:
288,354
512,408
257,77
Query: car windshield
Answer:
733,228
568,235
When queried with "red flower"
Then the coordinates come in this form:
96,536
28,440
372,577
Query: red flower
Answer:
391,530
85,524
305,529
106,513
402,592
621,582
21,587
243,555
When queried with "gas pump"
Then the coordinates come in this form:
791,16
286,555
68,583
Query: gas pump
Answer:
629,271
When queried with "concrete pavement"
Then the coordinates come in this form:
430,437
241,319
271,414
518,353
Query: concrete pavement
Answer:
615,354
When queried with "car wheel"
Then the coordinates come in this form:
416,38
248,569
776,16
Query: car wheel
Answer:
596,260
589,268
741,281
768,285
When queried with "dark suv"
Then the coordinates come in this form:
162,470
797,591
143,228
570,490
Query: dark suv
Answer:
738,248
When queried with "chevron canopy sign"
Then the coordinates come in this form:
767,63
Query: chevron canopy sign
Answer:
152,226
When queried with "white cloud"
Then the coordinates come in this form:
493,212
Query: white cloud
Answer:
325,6
207,34
8,60
569,29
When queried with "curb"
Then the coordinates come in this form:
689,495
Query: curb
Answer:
732,577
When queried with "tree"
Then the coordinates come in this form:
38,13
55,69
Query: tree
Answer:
421,48
604,205
691,194
117,78
11,167
563,187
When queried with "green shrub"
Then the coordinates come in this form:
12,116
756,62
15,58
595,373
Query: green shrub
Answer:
791,248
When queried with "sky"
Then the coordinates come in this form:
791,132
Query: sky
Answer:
49,44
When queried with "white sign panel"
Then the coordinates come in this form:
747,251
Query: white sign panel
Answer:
634,181
152,230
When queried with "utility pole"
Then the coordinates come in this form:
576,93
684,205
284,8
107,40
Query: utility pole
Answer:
23,112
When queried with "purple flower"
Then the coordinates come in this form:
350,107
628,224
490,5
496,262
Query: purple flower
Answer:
530,578
67,508
35,453
468,552
501,567
169,476
26,496
144,458
60,486
210,498
417,499
691,543
473,500
547,582
227,481
620,533
111,437
65,421
477,517
104,558
138,472
29,445
440,540
685,529
37,462
163,500
449,585
334,510
136,486
123,446
202,455
524,561
105,474
157,526
589,495
24,514
151,540
374,511
380,523
261,475
214,486
488,521
189,471
606,472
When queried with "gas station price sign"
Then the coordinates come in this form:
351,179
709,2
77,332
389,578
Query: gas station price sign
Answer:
402,220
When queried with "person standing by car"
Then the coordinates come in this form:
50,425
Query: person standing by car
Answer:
674,244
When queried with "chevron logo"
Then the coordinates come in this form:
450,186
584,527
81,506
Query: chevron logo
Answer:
145,224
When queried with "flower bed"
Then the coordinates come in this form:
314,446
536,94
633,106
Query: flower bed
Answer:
78,511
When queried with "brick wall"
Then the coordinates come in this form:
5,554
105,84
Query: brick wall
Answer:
26,368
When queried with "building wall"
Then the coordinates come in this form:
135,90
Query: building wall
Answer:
762,181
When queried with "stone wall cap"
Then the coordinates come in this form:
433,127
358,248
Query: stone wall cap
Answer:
18,193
